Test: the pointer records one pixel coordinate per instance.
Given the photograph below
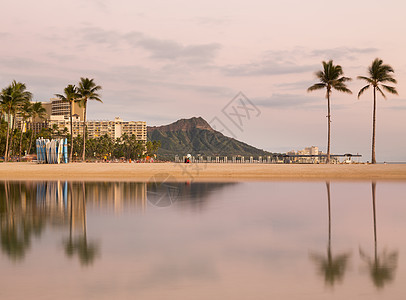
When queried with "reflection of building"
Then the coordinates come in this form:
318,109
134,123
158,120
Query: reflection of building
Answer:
117,196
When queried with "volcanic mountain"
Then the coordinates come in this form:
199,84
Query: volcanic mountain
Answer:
196,136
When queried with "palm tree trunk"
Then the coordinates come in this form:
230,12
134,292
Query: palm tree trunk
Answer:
84,131
11,136
373,160
32,136
8,134
71,133
328,125
21,142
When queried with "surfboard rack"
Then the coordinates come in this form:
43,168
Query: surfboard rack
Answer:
52,151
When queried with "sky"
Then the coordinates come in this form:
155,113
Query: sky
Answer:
160,61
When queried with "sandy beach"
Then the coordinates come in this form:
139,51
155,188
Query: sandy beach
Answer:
199,172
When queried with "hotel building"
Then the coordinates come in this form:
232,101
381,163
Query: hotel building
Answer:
57,113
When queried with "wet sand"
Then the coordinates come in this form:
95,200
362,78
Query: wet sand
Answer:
199,172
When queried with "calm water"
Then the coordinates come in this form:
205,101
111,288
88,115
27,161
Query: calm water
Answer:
253,240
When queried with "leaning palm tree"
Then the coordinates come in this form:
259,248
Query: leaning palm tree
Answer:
71,96
378,75
37,112
87,90
330,79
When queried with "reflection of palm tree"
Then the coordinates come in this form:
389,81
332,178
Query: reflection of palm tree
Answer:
382,268
332,268
16,225
85,250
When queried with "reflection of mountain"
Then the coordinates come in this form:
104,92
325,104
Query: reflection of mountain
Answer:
331,268
382,266
189,194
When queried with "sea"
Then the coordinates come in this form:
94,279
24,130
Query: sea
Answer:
195,240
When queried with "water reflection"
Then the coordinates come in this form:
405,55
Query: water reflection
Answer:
26,208
382,266
77,243
162,239
331,267
20,219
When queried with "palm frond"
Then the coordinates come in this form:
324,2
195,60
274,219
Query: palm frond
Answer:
317,86
342,88
379,90
367,79
344,79
361,91
390,89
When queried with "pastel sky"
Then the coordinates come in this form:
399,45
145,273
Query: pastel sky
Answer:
159,61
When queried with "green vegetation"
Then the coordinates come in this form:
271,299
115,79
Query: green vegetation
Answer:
378,74
330,79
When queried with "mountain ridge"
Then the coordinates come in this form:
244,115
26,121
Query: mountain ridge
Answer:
195,136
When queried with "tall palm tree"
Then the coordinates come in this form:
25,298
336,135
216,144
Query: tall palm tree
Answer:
87,90
25,113
379,74
330,78
11,99
37,112
71,96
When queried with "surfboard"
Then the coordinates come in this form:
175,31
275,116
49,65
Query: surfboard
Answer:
48,152
65,151
37,150
58,150
61,144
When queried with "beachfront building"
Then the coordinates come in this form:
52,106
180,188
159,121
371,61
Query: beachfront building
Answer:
114,129
57,117
304,155
55,110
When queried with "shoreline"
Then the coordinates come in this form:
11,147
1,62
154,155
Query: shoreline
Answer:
199,172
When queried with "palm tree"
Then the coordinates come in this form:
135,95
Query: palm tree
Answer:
11,99
330,79
71,96
7,103
87,90
25,113
37,111
378,74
